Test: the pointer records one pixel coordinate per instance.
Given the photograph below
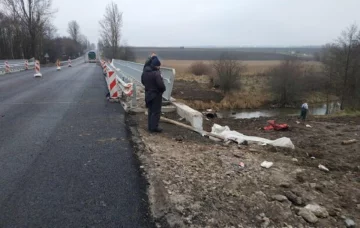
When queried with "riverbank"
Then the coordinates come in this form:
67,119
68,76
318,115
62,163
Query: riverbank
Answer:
196,182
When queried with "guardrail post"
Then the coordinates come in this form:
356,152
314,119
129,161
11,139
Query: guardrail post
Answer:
133,98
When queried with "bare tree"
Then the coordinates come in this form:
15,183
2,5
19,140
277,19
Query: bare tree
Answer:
33,15
127,53
347,56
286,81
342,66
110,28
329,70
74,30
228,72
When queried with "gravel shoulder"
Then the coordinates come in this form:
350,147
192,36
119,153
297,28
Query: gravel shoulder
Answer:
196,182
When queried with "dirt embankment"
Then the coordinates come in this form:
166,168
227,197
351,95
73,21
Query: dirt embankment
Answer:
192,90
195,182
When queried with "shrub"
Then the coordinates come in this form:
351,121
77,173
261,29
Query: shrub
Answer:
199,68
287,81
228,73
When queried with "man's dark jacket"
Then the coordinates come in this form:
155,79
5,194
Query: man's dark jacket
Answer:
153,82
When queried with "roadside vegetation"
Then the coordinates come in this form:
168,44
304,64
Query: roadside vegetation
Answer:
27,31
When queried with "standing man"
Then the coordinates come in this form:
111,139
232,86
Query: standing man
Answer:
154,88
304,110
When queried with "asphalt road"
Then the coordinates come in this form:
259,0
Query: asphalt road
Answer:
65,156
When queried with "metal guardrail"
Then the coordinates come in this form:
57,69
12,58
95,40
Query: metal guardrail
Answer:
123,81
15,65
133,71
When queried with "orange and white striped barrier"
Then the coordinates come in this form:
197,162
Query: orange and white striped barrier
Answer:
105,68
7,67
69,62
37,69
112,84
26,65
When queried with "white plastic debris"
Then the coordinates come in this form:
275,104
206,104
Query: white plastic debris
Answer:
323,168
349,223
297,122
308,125
266,164
240,138
319,211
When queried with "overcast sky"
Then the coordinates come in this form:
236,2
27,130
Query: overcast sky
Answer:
215,22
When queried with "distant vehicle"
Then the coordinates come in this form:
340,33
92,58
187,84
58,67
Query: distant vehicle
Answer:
90,57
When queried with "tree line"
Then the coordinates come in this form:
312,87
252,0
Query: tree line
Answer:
338,73
26,31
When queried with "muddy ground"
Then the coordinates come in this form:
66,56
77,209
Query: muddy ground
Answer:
185,90
196,182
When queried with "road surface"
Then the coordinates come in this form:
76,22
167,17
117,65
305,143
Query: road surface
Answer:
65,156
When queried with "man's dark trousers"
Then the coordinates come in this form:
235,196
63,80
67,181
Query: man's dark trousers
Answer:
154,112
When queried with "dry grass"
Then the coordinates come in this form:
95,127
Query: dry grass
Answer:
253,67
190,77
254,92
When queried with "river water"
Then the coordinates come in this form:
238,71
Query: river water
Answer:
314,109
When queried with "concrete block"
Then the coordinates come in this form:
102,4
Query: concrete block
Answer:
194,117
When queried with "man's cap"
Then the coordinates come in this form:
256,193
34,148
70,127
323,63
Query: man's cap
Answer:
155,61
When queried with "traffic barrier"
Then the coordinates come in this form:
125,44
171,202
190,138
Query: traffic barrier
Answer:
7,67
66,62
69,63
112,84
37,69
104,68
15,65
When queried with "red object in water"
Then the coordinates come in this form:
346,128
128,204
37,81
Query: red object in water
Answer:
277,127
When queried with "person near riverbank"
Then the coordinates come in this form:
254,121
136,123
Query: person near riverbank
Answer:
154,88
304,110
